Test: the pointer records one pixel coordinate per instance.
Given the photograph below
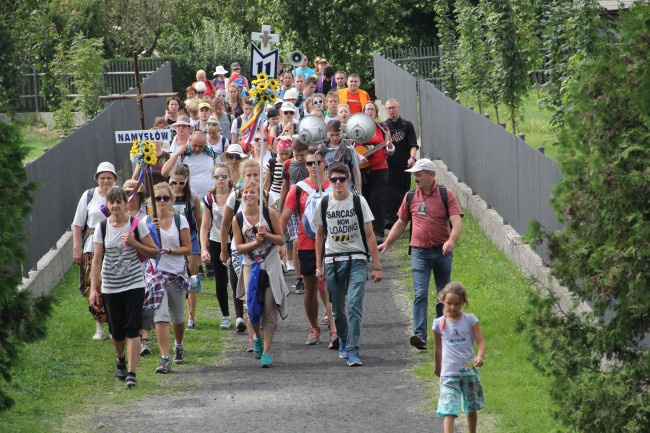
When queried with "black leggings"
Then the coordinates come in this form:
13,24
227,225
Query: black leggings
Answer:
221,279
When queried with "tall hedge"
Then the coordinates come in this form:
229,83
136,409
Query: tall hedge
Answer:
599,358
22,316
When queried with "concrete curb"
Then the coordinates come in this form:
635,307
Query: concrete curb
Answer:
51,268
504,236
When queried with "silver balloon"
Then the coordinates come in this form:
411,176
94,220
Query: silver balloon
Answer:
360,128
311,130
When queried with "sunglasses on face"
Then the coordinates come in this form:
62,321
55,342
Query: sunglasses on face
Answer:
318,101
212,124
163,198
257,140
233,156
220,176
287,113
180,183
340,179
311,163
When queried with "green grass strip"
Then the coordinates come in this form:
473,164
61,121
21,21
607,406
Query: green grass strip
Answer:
516,393
66,376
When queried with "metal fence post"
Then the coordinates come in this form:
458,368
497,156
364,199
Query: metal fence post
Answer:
36,87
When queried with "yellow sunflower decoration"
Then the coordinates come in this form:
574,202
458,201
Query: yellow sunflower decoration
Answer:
150,159
264,89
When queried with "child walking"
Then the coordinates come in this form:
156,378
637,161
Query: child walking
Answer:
455,363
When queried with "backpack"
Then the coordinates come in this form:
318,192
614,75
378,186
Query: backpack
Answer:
310,205
265,213
134,226
207,149
89,196
409,201
356,201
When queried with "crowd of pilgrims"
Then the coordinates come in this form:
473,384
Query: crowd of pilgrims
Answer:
141,273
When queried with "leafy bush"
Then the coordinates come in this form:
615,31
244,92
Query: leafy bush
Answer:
598,358
22,316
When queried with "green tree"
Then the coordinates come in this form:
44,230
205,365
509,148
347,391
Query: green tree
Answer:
598,358
473,61
508,58
573,31
22,315
447,35
10,76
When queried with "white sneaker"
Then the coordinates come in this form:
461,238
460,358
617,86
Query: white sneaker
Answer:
99,336
290,266
226,322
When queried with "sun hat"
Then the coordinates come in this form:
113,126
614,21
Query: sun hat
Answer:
236,149
288,106
235,65
422,164
291,94
104,167
199,86
182,121
239,81
205,105
219,71
130,184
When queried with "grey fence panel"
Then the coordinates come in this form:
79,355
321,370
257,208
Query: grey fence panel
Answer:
68,169
393,82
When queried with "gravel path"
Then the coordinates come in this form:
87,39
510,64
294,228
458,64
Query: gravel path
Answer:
309,388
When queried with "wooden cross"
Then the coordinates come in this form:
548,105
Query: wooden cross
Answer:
265,36
139,96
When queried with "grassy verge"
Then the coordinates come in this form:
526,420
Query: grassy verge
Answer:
67,374
37,136
535,122
516,393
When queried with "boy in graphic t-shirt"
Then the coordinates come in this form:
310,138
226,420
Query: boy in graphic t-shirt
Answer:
346,238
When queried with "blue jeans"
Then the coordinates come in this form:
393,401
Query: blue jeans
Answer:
348,326
423,261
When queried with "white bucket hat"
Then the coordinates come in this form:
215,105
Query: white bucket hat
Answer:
236,149
219,71
104,167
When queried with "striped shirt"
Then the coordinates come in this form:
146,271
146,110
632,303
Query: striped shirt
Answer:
121,267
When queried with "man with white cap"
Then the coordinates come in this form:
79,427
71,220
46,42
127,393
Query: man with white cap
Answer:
436,224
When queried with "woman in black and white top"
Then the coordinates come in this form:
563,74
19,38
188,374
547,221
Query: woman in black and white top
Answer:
117,244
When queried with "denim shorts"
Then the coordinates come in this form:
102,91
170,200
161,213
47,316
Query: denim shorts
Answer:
196,246
460,392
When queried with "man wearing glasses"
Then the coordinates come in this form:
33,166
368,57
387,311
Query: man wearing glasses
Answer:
199,158
344,232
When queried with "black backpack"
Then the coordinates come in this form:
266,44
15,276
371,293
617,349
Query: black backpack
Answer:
409,201
265,212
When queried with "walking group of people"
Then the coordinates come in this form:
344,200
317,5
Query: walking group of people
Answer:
321,212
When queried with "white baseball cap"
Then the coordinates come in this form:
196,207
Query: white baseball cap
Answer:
291,94
422,164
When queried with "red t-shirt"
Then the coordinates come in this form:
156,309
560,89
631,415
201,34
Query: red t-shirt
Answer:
377,160
354,102
304,241
429,217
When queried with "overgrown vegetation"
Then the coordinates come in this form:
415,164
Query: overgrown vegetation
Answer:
21,314
597,358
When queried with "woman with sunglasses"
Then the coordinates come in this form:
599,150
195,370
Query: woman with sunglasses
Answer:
256,154
137,208
167,281
214,204
187,203
258,234
288,123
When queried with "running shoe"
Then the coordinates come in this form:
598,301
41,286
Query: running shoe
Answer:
334,342
299,287
99,336
226,322
325,321
418,342
343,354
191,325
120,369
145,348
258,346
290,266
240,325
131,381
266,360
165,365
354,360
179,355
